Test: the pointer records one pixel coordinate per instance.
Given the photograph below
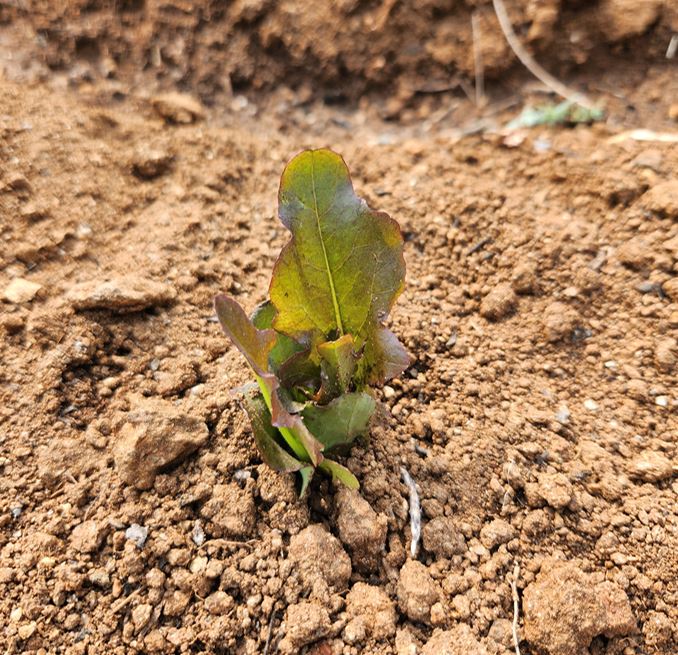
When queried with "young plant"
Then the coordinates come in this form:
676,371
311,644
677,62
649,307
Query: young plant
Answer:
319,343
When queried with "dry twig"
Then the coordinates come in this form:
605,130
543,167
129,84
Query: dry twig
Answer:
529,62
270,631
478,61
516,602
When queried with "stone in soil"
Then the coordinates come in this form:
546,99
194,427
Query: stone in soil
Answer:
317,554
499,303
554,489
361,529
459,640
495,533
154,434
417,592
20,291
441,537
129,293
231,511
178,108
149,163
662,199
564,609
559,321
371,614
305,623
651,466
88,536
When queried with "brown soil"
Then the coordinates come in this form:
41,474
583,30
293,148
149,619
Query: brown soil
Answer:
538,419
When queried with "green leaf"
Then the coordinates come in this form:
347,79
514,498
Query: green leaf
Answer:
265,436
341,473
342,420
343,268
306,474
338,362
284,347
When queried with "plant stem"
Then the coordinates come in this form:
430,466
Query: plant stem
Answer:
287,433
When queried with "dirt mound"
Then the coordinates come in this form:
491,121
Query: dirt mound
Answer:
538,419
337,50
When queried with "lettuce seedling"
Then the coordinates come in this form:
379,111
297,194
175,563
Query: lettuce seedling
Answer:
319,344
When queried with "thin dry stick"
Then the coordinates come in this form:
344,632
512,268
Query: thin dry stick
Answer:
270,631
478,60
516,601
528,61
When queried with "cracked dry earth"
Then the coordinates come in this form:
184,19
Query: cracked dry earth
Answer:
538,418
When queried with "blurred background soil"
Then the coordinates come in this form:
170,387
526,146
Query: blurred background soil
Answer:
141,144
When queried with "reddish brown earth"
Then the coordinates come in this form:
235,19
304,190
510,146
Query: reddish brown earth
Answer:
538,418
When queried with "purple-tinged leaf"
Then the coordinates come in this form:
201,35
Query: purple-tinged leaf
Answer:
265,436
387,355
253,343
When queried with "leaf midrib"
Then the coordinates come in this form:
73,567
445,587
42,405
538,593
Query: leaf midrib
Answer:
330,278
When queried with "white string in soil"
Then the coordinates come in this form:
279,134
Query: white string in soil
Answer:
415,511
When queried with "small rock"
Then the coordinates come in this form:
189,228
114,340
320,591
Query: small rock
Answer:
666,354
27,630
564,610
651,466
198,534
524,278
370,613
662,199
636,253
175,603
441,537
99,578
154,434
651,158
417,591
318,554
129,293
305,622
88,536
21,291
141,615
460,640
554,489
499,303
219,603
622,19
496,533
670,288
559,322
148,163
637,389
178,108
658,628
137,533
231,511
591,405
361,529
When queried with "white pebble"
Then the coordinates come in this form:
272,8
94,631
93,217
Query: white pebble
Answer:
591,405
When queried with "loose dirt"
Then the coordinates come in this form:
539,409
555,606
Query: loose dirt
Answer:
538,418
